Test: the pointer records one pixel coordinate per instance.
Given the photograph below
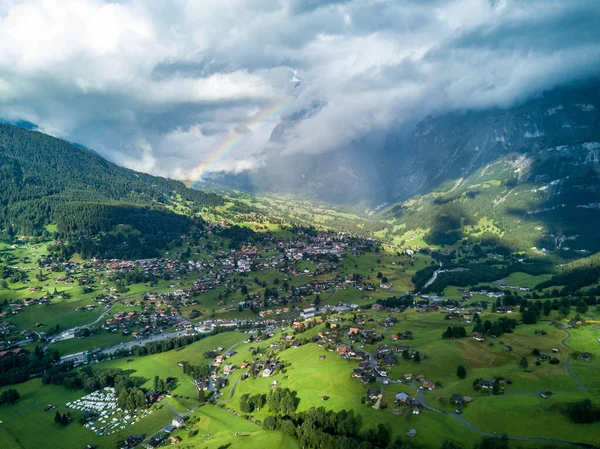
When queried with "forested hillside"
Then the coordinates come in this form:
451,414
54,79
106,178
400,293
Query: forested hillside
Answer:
46,180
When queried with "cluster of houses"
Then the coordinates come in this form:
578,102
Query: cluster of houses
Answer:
159,310
404,400
11,352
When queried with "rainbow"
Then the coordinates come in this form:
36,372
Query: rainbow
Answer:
233,141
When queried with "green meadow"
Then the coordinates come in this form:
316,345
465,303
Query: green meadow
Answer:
26,425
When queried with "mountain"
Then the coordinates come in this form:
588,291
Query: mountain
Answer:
527,174
552,134
94,204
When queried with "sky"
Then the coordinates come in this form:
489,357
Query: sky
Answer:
179,88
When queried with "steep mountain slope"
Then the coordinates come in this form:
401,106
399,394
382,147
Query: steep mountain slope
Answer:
529,174
45,180
546,130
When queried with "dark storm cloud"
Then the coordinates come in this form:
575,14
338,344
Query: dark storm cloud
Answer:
159,86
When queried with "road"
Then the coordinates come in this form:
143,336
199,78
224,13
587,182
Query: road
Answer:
81,357
183,415
421,398
97,320
568,362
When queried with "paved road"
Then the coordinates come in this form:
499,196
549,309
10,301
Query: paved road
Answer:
237,381
372,363
97,320
329,297
173,409
568,362
82,356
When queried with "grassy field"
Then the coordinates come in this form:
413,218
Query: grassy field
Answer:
532,416
521,411
61,312
103,339
165,364
313,378
585,339
35,396
524,280
18,419
216,428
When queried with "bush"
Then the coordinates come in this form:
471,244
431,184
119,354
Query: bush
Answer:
9,396
583,412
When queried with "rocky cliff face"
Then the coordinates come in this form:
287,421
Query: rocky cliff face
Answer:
554,136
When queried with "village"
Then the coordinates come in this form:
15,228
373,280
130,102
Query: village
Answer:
321,296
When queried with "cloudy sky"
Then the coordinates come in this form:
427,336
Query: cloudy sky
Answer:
177,87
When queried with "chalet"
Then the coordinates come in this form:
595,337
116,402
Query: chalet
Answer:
457,399
402,398
407,376
152,396
487,384
343,349
372,394
478,336
178,422
353,331
416,410
428,384
390,359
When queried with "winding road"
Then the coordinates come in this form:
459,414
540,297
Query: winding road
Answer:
97,320
421,398
568,361
424,404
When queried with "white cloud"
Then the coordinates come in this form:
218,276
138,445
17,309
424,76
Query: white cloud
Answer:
162,86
